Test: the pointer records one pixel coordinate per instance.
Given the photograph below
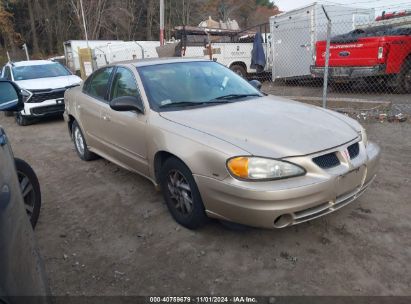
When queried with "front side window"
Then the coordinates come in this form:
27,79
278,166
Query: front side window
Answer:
99,83
193,83
124,84
39,71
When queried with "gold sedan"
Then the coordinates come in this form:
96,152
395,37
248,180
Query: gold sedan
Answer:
217,146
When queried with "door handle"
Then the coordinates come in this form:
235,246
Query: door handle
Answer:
106,117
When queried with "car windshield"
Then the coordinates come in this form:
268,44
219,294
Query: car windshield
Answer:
185,84
39,71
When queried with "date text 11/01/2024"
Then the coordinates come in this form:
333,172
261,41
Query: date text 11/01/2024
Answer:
205,299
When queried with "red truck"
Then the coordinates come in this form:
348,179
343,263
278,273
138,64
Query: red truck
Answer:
376,54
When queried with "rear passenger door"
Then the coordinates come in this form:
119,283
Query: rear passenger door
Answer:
93,99
125,132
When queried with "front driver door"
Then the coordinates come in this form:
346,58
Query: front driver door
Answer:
126,131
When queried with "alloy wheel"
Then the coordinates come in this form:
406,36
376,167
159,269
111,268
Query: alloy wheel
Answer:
79,141
180,192
28,192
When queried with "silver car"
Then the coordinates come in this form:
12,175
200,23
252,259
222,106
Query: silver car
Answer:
217,146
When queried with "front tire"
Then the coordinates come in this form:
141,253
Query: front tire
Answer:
30,189
239,70
21,120
404,78
80,143
181,194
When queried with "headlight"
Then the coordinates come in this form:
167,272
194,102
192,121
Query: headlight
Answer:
258,168
26,95
363,136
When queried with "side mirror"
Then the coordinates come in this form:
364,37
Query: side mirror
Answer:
256,84
127,103
10,96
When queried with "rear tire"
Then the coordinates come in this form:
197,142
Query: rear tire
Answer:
30,188
239,70
80,143
404,78
181,194
21,120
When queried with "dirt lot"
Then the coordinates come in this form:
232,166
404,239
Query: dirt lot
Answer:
401,102
104,231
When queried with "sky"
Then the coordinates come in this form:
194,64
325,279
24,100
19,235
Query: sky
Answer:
379,5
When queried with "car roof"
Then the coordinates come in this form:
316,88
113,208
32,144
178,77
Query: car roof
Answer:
156,61
31,63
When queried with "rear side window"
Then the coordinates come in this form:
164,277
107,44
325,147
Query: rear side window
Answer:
98,84
124,84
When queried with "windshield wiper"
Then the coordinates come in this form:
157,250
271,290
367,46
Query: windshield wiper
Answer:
236,96
191,103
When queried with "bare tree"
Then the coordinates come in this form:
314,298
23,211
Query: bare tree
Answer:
35,41
46,24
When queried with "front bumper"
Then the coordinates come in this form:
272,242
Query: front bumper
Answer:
349,72
276,204
44,108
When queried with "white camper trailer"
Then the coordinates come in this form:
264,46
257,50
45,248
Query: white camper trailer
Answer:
295,33
122,51
71,50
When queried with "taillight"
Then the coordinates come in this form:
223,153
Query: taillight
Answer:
380,52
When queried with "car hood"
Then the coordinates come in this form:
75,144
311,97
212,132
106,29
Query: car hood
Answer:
49,82
269,126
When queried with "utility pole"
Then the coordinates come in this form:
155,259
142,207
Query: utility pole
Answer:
161,22
84,22
27,52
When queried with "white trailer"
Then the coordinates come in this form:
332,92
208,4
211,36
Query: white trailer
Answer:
295,33
128,50
71,50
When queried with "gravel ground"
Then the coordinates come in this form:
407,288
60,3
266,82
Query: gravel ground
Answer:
105,231
400,102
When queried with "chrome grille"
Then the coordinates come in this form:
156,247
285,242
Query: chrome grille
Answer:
40,96
327,161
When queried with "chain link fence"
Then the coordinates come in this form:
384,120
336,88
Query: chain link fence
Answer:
363,60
